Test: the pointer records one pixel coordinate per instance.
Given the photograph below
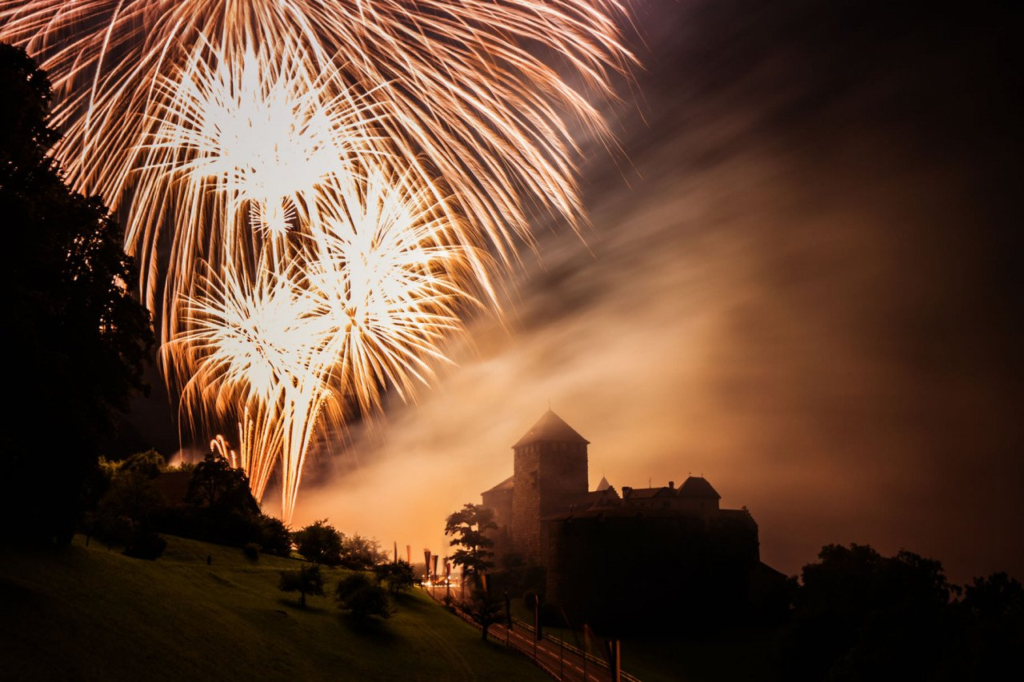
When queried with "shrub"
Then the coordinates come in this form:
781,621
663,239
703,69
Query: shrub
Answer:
306,580
145,544
251,551
320,543
396,576
363,597
274,536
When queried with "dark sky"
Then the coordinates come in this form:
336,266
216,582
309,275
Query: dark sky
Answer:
802,280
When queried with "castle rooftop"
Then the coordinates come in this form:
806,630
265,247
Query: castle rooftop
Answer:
698,486
550,429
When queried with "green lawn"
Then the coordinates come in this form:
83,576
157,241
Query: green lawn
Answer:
86,613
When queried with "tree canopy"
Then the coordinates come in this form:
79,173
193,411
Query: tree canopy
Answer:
320,542
362,596
469,527
78,336
217,485
862,615
306,580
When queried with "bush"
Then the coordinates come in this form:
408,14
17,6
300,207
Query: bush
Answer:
251,551
397,576
145,544
306,580
274,536
320,543
361,554
363,597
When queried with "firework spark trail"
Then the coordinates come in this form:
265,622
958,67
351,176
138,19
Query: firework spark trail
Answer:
378,289
332,176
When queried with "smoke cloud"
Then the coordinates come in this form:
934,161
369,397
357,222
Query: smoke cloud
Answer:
800,282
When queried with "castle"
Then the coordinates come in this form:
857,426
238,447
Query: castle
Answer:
644,547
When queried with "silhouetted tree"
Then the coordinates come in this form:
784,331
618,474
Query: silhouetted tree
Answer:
992,610
469,527
320,543
306,580
76,337
251,551
149,463
274,536
144,543
397,576
859,615
485,607
131,494
360,554
362,596
216,485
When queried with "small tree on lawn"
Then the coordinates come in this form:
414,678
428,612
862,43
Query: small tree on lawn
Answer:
361,554
396,576
320,543
469,527
306,580
359,594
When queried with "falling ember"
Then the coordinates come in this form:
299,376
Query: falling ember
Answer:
332,176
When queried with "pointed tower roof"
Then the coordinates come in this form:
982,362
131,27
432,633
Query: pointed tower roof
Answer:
551,429
604,484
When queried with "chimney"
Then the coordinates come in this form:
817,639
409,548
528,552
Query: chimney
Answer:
626,491
671,485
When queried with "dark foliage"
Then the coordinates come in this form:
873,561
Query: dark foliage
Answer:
320,542
860,615
469,527
251,551
519,581
145,544
126,513
149,463
129,506
219,508
991,619
486,607
306,580
274,536
77,336
216,485
396,576
360,554
362,596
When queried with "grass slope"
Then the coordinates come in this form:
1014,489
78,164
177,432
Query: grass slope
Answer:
86,613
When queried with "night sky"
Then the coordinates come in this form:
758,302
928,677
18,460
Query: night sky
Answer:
801,280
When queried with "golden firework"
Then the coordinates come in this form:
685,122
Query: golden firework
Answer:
330,177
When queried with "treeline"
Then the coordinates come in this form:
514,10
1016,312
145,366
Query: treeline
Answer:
857,615
126,506
361,592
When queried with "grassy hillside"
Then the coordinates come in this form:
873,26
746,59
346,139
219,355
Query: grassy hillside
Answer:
89,613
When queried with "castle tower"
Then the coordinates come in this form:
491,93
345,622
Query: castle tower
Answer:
550,468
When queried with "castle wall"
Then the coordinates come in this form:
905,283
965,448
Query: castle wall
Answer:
546,475
526,504
563,475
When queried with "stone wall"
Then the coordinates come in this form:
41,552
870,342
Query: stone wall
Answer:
526,504
546,476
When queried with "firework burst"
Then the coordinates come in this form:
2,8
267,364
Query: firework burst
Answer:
331,175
